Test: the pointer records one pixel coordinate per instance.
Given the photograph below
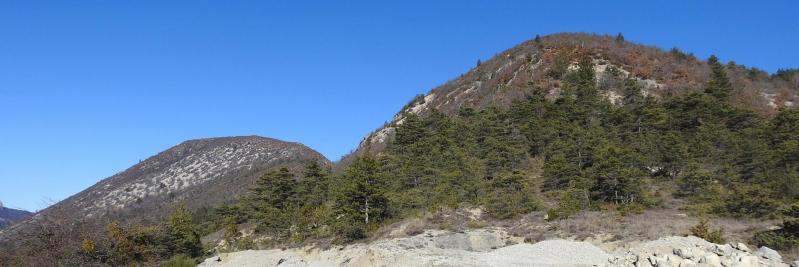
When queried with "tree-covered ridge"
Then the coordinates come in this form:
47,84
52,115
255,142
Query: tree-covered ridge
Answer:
575,153
545,61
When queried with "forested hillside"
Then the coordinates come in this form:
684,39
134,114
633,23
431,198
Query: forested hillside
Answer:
545,61
576,152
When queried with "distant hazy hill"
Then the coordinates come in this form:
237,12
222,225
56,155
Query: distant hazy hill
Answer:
9,216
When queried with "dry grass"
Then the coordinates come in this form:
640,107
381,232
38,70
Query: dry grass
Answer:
649,225
599,226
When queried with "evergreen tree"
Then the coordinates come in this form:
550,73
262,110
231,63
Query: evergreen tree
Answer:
562,166
313,188
571,200
509,195
632,96
719,85
582,102
411,131
694,181
272,201
616,177
784,142
181,234
361,202
670,154
620,38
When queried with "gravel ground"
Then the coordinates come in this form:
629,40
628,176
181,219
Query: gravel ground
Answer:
494,247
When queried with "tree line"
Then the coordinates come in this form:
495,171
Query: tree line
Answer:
578,152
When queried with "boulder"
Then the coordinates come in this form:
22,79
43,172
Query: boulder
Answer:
687,263
710,259
722,250
741,246
685,253
768,253
745,261
663,261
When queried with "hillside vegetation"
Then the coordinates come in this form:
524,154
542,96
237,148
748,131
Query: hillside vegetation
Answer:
578,152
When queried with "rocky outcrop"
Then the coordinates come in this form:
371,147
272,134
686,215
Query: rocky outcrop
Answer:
494,247
693,251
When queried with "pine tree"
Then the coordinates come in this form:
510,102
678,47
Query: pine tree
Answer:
784,140
509,195
616,177
272,202
275,189
582,101
719,85
632,96
670,153
181,234
361,202
313,188
411,131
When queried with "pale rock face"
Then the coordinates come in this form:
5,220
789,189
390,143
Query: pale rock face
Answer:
710,259
192,170
768,253
741,247
421,106
382,135
771,98
602,70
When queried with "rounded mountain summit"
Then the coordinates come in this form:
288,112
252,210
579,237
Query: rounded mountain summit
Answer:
196,173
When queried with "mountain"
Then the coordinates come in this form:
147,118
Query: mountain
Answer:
544,61
195,173
9,216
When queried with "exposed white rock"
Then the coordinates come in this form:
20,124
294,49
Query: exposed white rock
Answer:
419,107
771,99
485,247
741,247
768,253
494,247
191,170
690,251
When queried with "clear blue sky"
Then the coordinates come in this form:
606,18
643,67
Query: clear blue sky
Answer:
88,88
